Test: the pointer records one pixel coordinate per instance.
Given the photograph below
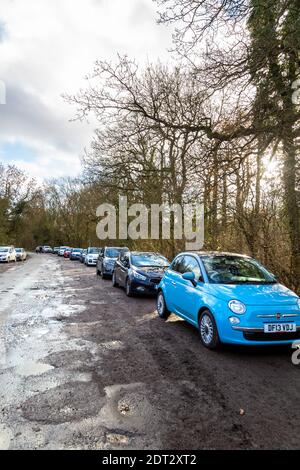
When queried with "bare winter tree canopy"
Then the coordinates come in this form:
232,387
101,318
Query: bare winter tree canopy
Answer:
218,124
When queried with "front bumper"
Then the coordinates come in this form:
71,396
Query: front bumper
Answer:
91,262
108,270
250,330
145,287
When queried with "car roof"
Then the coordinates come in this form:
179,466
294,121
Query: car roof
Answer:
146,253
117,247
213,253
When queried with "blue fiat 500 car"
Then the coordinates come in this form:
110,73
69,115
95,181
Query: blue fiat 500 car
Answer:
230,298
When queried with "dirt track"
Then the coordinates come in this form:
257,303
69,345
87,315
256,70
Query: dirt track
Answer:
83,366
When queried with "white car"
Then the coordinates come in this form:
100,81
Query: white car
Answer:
47,249
92,256
7,254
61,250
21,254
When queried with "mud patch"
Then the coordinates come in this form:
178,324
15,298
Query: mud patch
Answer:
72,359
69,402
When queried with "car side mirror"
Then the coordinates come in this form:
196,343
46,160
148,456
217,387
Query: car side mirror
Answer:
190,277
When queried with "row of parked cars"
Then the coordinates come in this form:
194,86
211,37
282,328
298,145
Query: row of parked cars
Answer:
229,297
10,254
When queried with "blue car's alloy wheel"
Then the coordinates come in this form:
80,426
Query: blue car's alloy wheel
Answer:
162,310
208,330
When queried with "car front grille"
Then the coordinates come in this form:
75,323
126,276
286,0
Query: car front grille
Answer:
155,280
252,336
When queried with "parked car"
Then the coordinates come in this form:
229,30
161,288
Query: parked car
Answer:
82,256
230,298
55,250
47,249
39,249
21,254
67,252
7,254
62,250
75,254
107,258
139,272
91,256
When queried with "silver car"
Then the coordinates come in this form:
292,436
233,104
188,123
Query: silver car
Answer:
21,254
91,257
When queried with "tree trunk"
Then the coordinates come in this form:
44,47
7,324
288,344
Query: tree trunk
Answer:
292,208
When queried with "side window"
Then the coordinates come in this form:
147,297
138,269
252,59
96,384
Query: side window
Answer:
125,259
176,264
191,265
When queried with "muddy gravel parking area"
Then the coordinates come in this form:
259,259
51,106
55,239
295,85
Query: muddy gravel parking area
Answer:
85,367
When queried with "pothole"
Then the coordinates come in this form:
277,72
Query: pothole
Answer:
71,359
69,402
117,439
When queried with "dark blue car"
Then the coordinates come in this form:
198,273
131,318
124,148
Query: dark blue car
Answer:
75,254
139,272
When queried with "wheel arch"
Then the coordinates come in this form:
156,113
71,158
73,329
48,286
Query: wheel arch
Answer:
202,309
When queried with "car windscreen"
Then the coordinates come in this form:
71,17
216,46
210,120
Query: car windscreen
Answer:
4,250
113,252
76,250
19,250
92,251
149,259
236,270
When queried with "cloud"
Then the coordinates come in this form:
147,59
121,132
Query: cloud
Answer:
48,48
3,33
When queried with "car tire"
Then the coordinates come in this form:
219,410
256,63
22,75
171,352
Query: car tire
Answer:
128,288
161,306
114,280
208,330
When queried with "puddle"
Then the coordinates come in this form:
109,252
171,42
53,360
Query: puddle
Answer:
5,437
32,368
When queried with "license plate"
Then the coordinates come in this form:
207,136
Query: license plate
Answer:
279,327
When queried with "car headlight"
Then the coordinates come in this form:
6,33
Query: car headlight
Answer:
298,302
237,307
139,276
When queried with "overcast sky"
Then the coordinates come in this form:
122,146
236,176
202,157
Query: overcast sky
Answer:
46,49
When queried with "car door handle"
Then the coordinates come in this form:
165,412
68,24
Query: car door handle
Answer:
173,282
